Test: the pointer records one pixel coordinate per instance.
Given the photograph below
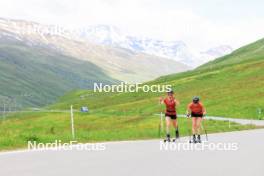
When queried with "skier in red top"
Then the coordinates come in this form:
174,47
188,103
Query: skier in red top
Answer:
197,111
170,114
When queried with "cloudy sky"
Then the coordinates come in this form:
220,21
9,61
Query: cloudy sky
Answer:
200,23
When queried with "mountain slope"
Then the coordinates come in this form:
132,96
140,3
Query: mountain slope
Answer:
38,66
35,76
254,51
232,90
122,64
176,50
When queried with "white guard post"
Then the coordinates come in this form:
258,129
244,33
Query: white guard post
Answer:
72,123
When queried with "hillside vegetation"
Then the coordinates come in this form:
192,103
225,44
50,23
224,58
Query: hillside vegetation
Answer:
36,76
249,53
231,86
230,89
38,66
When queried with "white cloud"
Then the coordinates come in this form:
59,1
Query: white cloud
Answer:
167,19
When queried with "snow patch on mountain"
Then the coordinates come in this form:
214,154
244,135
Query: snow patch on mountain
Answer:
215,52
111,36
176,50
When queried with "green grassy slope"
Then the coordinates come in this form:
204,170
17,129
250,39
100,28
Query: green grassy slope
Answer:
17,130
36,76
230,90
254,51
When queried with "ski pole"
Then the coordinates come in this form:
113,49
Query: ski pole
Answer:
204,128
161,121
189,127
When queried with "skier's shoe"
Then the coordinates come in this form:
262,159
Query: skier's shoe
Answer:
167,138
175,139
177,134
194,139
199,139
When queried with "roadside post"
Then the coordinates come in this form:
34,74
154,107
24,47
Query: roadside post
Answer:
259,113
4,110
161,121
72,123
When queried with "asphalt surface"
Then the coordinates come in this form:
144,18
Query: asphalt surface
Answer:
146,158
240,121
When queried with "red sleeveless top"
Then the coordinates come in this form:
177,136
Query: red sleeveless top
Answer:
197,108
170,106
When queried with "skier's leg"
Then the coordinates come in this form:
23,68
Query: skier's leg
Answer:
189,127
175,125
194,120
168,124
194,128
198,126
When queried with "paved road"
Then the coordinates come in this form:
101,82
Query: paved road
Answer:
236,120
144,158
241,121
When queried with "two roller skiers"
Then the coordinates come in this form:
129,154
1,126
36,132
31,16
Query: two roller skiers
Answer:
195,112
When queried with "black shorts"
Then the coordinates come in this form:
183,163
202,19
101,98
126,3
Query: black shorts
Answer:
196,115
173,117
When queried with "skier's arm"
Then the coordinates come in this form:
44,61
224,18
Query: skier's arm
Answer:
188,112
177,102
161,100
204,110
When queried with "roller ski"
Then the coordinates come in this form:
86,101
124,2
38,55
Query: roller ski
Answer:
174,139
199,139
170,140
177,136
167,139
193,140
